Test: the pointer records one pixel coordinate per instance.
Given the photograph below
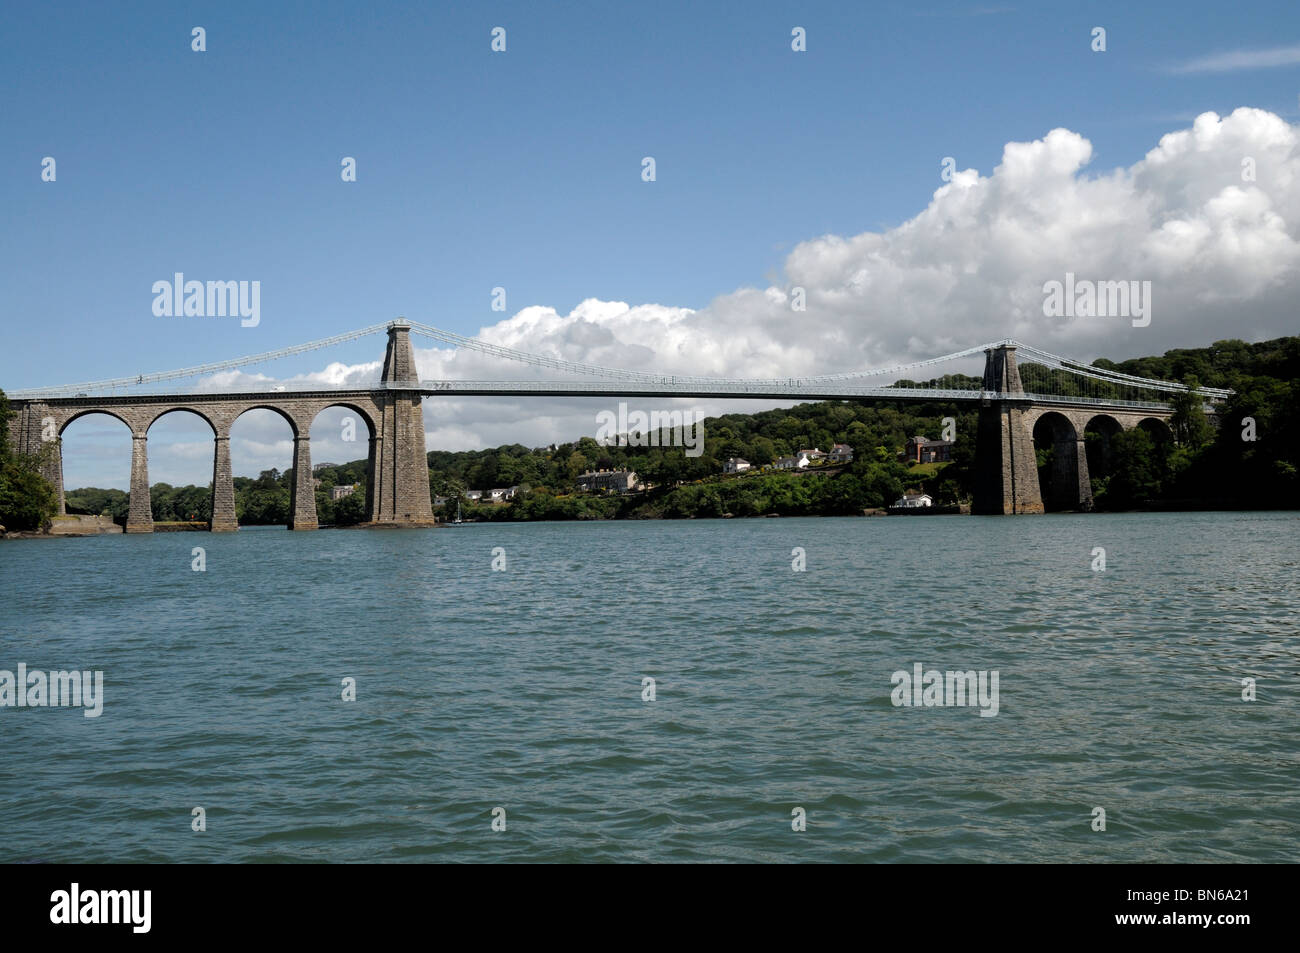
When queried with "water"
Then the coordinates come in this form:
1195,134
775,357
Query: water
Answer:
522,689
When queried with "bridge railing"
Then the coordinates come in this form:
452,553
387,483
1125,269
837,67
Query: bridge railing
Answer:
794,389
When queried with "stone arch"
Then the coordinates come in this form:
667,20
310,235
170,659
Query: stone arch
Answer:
1061,476
366,449
187,509
239,411
1158,429
261,503
55,471
149,421
355,406
1098,433
86,411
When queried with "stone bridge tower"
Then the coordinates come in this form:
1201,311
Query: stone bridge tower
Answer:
397,489
1006,479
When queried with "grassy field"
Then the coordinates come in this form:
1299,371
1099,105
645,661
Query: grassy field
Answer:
925,470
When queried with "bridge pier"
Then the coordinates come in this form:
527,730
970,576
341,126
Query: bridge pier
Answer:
1006,478
55,473
34,433
302,495
399,464
223,518
1077,473
139,517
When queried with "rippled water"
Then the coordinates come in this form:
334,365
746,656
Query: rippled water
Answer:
523,689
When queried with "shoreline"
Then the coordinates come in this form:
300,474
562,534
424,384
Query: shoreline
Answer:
964,510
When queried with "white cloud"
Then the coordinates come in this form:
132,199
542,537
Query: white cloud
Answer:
1235,60
1222,255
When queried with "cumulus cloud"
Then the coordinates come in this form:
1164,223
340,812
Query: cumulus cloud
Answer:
1209,216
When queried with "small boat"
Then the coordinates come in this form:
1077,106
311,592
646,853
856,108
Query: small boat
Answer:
457,521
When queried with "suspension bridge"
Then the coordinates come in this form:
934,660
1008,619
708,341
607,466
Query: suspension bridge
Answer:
1059,398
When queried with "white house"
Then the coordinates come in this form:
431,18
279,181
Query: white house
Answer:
735,465
798,462
910,500
473,494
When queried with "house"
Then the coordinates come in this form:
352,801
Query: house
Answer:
474,495
617,481
921,450
840,453
813,454
911,500
797,462
735,465
339,492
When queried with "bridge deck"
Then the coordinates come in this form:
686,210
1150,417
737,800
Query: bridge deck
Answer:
790,391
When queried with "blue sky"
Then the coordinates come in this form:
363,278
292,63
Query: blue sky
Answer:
522,169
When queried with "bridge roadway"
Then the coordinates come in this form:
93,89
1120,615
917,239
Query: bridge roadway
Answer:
595,389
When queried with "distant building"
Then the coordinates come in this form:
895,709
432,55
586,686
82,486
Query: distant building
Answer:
813,454
473,494
735,465
920,450
317,467
911,500
617,481
840,453
341,491
797,462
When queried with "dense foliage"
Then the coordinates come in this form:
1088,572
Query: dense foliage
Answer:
686,486
1216,466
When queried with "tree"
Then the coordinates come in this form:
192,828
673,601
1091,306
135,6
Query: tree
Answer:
1136,470
352,509
1188,422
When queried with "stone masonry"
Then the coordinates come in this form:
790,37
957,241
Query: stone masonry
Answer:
397,480
1006,478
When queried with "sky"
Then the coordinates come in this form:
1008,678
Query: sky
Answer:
1171,156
